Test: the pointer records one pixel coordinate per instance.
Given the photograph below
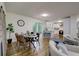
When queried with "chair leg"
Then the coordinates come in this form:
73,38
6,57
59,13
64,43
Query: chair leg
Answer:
18,45
33,45
39,43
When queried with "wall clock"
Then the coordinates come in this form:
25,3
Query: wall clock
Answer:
20,23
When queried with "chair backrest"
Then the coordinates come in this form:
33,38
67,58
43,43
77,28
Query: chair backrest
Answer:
17,36
32,32
37,34
21,39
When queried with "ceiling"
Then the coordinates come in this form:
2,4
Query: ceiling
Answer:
56,10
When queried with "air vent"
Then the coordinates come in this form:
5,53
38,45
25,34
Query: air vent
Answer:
68,17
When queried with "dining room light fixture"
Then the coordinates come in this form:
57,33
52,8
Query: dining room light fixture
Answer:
44,15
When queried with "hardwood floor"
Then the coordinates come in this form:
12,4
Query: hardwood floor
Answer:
41,50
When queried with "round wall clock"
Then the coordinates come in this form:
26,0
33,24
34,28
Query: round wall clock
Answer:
20,23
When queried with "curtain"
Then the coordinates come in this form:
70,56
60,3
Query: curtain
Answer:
37,27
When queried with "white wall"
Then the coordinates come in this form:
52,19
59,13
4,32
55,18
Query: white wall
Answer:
67,26
50,25
70,26
74,26
29,22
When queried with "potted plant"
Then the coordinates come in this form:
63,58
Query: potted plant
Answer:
10,30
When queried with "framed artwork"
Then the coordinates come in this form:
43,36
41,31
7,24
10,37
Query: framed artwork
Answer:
20,23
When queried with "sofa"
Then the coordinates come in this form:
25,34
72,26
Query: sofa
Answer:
70,40
62,49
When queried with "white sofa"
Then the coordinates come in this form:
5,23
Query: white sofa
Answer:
53,51
67,50
68,39
72,48
76,38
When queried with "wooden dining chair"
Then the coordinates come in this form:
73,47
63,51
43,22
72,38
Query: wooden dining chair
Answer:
21,41
17,37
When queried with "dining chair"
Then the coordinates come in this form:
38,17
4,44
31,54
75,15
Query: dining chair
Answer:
37,38
21,41
32,32
32,42
17,37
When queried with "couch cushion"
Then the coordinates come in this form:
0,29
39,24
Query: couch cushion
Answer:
62,48
73,53
53,50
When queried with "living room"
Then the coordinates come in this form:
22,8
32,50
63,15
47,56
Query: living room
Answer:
37,28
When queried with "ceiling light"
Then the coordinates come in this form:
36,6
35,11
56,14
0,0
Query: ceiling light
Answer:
44,15
60,21
78,20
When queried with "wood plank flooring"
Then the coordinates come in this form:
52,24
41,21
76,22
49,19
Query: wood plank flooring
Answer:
41,50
